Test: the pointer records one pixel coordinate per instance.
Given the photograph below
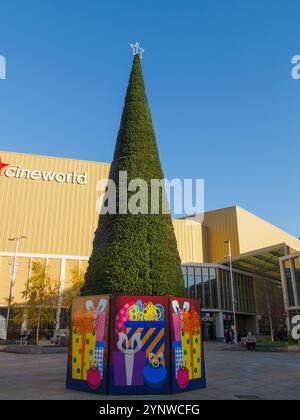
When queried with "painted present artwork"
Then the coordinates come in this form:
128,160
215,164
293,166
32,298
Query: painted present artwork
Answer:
187,356
88,353
139,349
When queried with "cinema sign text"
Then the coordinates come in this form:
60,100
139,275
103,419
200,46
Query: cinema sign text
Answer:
34,175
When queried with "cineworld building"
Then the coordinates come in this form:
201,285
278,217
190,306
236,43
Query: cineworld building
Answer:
51,202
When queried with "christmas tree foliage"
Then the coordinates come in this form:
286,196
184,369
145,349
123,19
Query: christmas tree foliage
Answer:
135,253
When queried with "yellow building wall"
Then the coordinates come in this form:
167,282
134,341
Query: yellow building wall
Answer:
4,279
58,218
61,218
256,233
189,240
220,226
246,231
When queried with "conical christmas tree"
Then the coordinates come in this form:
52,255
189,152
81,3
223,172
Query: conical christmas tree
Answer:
135,253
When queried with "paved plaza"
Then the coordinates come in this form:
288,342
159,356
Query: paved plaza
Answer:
230,375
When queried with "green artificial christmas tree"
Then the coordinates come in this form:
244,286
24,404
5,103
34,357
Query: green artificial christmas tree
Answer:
135,253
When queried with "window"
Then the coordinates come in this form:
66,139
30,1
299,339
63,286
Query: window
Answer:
198,285
191,282
213,287
206,287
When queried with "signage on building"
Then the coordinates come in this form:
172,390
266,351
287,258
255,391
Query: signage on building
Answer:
208,317
51,176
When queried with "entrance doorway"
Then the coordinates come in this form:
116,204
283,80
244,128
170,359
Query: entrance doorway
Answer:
209,326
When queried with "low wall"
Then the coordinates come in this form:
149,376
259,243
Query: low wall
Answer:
28,349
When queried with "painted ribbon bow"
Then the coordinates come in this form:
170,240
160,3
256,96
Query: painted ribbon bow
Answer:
129,349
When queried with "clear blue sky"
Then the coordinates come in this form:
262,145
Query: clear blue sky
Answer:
224,105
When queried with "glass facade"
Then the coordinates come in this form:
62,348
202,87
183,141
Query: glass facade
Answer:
213,286
259,300
201,282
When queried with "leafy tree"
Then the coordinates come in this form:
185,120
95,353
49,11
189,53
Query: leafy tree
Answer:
41,297
135,253
77,281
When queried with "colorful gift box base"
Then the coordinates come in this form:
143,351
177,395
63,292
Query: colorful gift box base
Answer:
88,345
188,369
135,345
139,350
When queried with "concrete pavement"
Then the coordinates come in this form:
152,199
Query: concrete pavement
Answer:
230,376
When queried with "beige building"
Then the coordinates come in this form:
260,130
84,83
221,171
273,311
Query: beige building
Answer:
52,201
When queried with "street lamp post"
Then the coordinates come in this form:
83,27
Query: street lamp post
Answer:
232,291
12,279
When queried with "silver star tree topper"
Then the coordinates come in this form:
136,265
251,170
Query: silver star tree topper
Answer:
137,49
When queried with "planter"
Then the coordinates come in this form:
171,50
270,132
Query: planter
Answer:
135,345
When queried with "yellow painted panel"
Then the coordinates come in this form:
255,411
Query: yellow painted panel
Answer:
76,354
197,356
